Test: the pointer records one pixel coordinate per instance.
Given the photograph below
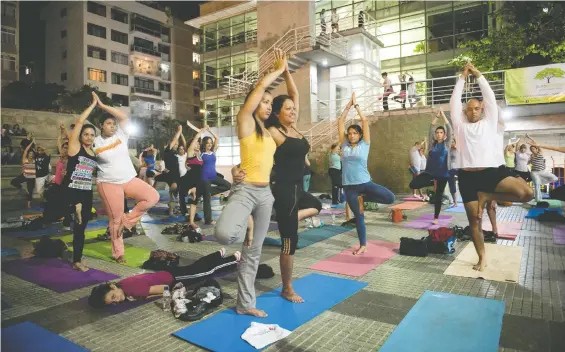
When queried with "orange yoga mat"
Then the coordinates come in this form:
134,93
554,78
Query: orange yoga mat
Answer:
407,205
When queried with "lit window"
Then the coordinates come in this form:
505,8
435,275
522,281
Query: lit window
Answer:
196,58
96,75
195,74
195,39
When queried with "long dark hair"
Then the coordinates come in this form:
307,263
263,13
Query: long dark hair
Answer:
258,128
273,120
85,127
203,143
358,129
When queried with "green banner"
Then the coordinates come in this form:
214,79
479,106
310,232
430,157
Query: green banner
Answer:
535,85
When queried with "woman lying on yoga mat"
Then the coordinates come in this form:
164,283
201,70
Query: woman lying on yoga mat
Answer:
438,165
149,285
356,178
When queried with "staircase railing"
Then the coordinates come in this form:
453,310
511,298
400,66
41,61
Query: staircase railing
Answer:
295,40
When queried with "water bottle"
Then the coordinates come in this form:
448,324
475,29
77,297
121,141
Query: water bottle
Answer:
166,299
333,219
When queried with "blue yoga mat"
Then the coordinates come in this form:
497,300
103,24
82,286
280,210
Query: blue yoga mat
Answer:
50,231
9,251
163,221
311,236
222,332
458,209
442,322
535,212
27,336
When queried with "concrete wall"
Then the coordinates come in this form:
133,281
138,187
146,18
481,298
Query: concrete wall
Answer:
213,6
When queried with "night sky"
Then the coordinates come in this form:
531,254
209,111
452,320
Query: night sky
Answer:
32,40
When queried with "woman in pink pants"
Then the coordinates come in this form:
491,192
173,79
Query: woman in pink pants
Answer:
116,178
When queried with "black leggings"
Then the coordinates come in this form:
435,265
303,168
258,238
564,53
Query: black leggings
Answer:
289,199
335,176
203,268
211,188
30,182
76,196
426,180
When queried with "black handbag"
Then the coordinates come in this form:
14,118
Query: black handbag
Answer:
413,247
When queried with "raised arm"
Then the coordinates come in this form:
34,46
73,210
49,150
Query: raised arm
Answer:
545,146
364,121
455,104
24,155
245,120
216,140
175,137
182,140
122,117
196,129
190,150
291,89
140,157
74,139
341,122
448,131
62,132
489,99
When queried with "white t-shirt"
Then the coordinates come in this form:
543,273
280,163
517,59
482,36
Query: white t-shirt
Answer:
182,164
261,335
476,141
423,162
522,162
335,18
415,157
114,163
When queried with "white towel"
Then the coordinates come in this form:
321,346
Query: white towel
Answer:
261,335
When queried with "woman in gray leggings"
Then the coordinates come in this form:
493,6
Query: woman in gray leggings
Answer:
248,211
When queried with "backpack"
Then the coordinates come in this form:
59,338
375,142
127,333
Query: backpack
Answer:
161,260
441,247
413,247
440,235
48,248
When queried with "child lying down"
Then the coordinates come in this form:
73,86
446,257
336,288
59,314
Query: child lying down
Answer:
152,284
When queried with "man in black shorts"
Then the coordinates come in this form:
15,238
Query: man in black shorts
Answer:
482,176
173,161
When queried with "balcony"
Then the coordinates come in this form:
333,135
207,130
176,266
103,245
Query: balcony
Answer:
140,29
165,38
165,76
165,57
146,92
146,51
165,94
9,21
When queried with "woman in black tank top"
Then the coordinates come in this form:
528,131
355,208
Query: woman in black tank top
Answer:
78,180
292,203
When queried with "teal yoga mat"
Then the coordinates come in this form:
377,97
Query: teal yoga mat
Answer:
535,212
311,236
222,332
442,322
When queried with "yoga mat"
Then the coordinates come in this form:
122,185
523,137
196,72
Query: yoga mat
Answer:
424,222
222,331
88,235
162,221
413,199
134,256
535,212
506,230
332,211
96,224
311,236
273,226
559,234
458,209
553,203
442,322
31,216
28,337
346,263
54,274
407,205
9,251
158,211
503,263
50,231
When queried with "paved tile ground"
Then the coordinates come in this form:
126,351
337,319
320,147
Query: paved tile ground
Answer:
534,318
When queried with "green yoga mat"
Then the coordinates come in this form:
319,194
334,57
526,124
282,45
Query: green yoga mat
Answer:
134,256
311,236
553,203
88,235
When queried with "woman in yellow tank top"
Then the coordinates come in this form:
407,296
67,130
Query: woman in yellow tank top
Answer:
247,214
510,154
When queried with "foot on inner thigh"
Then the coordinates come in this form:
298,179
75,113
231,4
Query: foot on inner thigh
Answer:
483,199
253,311
78,213
481,265
290,295
360,250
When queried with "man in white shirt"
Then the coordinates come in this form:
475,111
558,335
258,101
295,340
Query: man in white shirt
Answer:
482,177
415,162
387,86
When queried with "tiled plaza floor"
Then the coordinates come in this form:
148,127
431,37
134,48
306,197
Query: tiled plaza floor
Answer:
534,318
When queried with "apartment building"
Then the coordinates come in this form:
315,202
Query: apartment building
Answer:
10,41
134,52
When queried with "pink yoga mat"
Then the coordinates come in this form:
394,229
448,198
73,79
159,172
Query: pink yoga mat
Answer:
559,234
346,263
506,230
407,205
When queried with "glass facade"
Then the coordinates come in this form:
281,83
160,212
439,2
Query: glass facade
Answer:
230,31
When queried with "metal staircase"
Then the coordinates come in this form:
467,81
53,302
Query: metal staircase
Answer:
293,42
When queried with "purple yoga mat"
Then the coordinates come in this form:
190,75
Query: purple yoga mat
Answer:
55,274
431,217
559,235
332,211
426,224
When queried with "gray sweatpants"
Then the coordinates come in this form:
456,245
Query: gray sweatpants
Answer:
231,227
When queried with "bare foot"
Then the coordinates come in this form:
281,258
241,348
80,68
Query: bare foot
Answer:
237,256
481,265
435,222
482,200
121,259
80,267
78,213
222,252
292,296
253,311
360,250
